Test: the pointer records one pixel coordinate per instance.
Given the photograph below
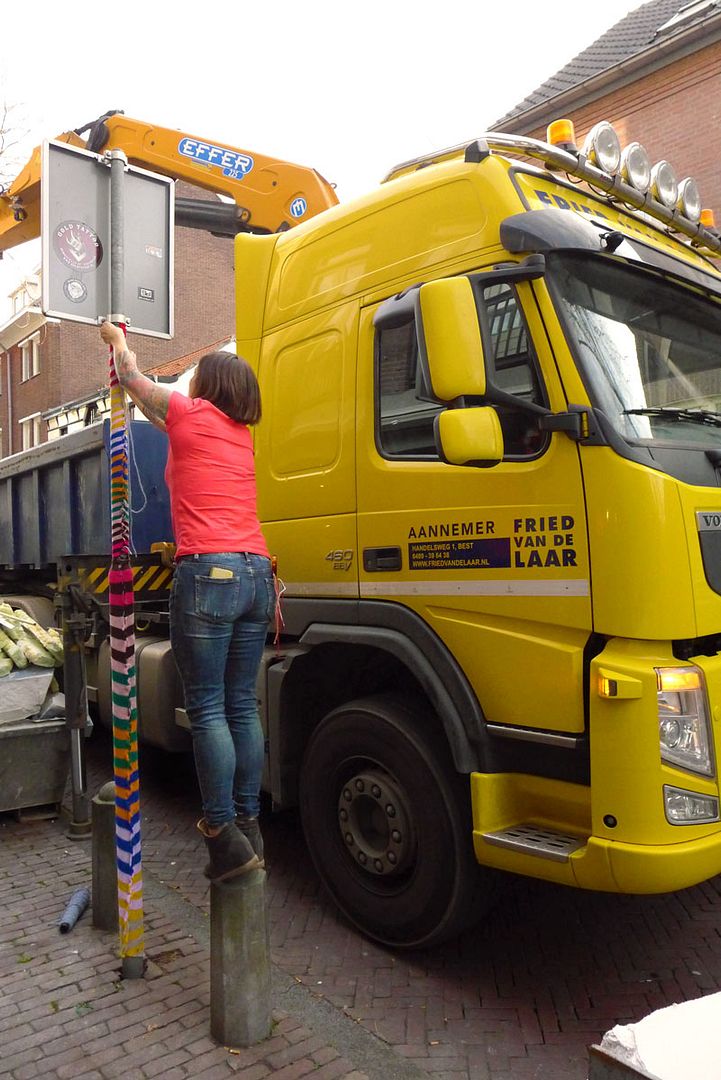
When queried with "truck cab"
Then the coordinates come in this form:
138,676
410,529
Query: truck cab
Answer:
488,470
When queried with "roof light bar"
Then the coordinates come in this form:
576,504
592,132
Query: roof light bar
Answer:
628,180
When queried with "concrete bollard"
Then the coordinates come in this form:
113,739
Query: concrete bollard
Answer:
105,873
240,1009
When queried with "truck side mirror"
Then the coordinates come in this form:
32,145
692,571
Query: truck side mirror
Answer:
450,337
469,436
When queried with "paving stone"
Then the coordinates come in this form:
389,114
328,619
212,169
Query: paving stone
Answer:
254,1072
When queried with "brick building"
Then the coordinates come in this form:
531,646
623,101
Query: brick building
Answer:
656,76
45,364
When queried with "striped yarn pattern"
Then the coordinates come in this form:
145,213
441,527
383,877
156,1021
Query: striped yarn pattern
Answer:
123,685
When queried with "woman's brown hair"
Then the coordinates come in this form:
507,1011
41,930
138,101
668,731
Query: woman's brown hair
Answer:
229,382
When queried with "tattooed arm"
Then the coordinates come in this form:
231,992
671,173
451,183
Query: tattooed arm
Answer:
154,418
150,398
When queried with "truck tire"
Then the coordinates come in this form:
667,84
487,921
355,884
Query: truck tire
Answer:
388,824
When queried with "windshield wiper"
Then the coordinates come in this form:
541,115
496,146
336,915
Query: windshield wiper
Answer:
695,416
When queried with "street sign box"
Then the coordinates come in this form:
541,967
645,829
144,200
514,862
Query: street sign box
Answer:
75,229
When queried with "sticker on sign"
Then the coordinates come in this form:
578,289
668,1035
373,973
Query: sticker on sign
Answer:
77,245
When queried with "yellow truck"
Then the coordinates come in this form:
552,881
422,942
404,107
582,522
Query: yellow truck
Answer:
490,467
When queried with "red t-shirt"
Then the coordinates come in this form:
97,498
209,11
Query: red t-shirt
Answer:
211,478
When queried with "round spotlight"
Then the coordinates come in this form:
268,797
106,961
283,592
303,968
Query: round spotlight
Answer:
689,199
636,166
664,185
602,147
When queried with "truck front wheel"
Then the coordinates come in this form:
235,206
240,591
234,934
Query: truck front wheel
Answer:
387,822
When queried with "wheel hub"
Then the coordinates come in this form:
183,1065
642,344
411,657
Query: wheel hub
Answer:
375,824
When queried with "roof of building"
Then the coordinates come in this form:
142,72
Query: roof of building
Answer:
642,29
182,363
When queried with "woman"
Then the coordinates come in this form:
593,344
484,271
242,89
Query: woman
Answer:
223,593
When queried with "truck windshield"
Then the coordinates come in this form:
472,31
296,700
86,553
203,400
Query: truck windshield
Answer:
649,350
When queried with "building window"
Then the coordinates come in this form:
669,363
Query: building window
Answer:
26,294
31,431
30,357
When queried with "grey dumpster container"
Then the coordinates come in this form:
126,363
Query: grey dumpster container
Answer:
34,763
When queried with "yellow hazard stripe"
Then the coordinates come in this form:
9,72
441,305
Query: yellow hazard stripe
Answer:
161,578
151,577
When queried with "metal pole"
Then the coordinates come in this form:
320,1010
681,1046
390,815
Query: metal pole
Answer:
118,162
122,622
76,714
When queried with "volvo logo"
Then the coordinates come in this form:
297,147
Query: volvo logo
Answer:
708,520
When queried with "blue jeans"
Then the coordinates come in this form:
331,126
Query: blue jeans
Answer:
218,627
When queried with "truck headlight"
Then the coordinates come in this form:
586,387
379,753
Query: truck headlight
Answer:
689,807
683,725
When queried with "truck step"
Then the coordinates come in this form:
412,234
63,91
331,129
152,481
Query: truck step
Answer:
536,840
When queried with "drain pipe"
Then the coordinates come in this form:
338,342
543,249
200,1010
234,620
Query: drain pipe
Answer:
10,404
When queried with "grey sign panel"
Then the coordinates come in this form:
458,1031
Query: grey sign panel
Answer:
76,241
75,234
148,247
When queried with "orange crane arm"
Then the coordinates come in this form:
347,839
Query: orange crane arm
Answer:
271,194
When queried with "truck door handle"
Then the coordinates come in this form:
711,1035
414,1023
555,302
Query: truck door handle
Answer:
378,559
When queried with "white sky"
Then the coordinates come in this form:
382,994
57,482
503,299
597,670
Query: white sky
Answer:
349,88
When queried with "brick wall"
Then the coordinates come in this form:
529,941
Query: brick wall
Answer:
27,397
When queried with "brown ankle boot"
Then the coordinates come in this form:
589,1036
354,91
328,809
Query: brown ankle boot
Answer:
251,829
231,853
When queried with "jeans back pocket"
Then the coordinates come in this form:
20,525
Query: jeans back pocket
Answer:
216,599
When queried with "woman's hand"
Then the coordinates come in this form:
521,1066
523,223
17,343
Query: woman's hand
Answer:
150,397
113,335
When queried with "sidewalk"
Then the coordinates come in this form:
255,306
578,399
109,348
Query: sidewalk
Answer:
65,1012
521,996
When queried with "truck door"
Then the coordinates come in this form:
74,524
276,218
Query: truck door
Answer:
495,560
305,454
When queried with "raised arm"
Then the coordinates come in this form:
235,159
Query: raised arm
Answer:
151,398
156,421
